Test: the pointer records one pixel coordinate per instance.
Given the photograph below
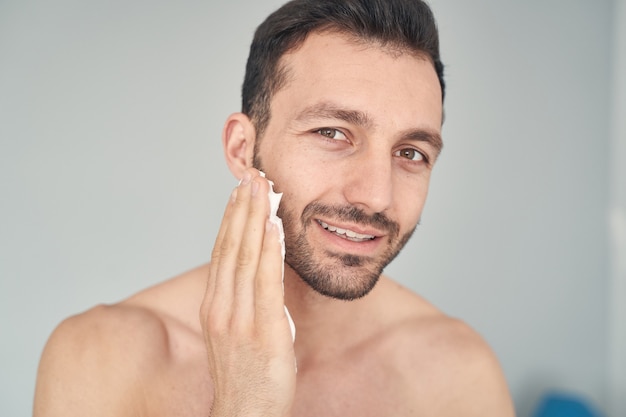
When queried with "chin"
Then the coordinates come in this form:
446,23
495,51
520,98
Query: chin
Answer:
345,281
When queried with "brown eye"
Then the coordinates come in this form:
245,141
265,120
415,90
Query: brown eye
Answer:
410,153
332,133
329,133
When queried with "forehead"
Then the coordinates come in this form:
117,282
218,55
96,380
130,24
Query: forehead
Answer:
395,86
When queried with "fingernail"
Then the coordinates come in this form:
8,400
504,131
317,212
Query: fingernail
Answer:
233,196
246,178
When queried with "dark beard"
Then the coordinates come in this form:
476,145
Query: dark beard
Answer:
357,275
350,276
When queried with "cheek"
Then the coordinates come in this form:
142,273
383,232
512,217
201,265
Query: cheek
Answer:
409,202
292,186
298,179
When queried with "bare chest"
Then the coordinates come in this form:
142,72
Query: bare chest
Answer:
361,388
345,390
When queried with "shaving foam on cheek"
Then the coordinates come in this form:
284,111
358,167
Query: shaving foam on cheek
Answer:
274,203
274,219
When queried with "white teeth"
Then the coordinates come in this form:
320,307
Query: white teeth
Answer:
345,232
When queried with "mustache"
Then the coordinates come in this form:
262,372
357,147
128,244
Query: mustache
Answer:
350,214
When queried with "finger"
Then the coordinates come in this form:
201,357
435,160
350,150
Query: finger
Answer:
270,300
222,269
230,246
250,252
215,257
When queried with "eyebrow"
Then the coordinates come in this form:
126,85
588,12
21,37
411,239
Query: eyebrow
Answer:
327,110
423,135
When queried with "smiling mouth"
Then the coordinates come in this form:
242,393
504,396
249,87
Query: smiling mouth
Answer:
346,233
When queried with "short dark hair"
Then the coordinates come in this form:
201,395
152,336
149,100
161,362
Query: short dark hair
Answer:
404,25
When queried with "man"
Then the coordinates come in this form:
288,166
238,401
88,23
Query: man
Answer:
342,109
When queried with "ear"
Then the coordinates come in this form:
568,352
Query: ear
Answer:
238,139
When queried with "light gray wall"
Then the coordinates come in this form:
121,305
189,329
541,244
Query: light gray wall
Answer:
111,175
617,221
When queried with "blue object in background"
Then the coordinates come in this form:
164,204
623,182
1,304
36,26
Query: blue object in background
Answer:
564,405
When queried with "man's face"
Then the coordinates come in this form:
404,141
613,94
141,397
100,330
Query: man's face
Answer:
351,143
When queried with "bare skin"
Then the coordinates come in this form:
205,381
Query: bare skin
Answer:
216,341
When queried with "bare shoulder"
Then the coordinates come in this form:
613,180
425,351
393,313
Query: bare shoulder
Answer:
109,359
447,359
466,377
92,361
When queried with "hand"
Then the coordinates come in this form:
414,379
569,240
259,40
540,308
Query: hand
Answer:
247,335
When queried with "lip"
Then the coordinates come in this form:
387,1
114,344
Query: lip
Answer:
355,228
333,242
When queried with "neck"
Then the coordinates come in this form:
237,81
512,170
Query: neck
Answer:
319,318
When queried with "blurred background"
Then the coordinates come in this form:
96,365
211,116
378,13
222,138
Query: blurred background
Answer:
112,177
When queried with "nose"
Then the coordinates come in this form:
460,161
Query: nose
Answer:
370,182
